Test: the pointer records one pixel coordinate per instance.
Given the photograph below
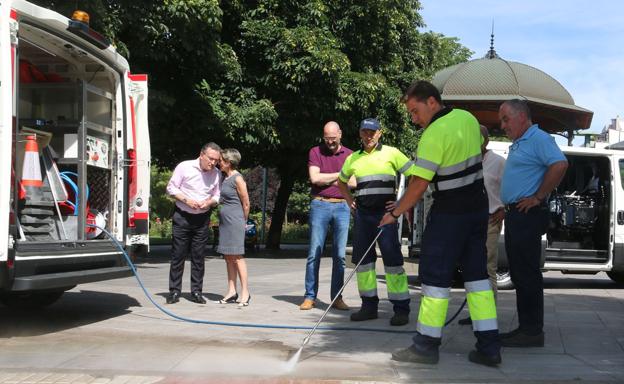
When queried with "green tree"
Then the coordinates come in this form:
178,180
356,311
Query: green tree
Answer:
265,75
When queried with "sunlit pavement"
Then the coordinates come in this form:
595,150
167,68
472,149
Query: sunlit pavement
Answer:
109,332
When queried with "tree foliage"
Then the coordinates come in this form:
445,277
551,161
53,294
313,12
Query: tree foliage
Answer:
265,75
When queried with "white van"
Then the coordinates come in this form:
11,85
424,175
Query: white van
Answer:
586,230
74,152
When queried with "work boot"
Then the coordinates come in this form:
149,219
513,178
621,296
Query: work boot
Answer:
410,355
399,319
307,304
364,314
522,340
465,321
340,305
483,359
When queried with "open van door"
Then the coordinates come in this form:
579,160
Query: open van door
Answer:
617,262
138,163
8,44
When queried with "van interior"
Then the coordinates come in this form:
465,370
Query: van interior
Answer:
579,209
64,163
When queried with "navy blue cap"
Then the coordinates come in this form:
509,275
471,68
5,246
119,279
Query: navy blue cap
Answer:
370,123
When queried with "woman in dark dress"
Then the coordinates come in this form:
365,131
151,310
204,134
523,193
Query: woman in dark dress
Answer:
233,216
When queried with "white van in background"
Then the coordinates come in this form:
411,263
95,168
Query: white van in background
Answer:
74,151
586,230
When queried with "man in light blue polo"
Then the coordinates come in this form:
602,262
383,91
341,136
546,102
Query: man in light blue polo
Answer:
534,167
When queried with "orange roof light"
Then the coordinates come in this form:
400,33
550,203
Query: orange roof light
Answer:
80,16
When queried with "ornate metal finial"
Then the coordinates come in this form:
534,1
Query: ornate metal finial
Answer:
492,53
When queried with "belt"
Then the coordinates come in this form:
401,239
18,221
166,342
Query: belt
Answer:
512,206
329,199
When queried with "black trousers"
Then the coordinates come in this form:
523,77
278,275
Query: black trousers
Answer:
190,233
523,243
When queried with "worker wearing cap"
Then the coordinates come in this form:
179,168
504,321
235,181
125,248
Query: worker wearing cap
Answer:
449,159
375,168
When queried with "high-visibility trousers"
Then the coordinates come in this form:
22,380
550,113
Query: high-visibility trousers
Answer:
364,231
452,239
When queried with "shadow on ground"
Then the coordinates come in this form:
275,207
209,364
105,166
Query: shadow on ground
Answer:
74,309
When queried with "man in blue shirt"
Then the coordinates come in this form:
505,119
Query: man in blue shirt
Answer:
534,167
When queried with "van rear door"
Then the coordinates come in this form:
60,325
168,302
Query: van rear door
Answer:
8,41
139,159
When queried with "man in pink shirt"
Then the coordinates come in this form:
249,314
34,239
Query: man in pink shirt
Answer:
195,187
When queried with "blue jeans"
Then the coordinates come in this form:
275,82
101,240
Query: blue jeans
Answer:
322,215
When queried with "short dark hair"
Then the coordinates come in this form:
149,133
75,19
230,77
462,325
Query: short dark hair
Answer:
211,145
519,105
421,90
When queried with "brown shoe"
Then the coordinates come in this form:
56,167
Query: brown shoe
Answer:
340,305
307,304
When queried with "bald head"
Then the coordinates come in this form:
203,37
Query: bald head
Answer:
332,135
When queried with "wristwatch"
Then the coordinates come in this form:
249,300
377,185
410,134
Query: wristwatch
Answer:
392,214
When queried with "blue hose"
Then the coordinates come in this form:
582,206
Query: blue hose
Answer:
245,325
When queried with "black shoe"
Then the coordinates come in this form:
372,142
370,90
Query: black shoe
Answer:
245,303
509,334
229,300
173,298
399,319
465,321
198,298
409,355
480,358
522,340
363,315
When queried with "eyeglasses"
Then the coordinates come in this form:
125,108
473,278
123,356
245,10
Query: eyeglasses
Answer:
330,138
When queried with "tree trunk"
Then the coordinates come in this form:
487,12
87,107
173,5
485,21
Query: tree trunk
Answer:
279,212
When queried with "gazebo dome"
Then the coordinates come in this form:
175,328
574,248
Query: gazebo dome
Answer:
481,85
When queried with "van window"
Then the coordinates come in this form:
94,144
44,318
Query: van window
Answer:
622,172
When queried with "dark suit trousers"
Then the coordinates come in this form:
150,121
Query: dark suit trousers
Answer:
523,243
190,233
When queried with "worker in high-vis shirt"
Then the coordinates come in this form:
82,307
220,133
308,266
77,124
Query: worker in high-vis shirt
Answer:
375,168
449,159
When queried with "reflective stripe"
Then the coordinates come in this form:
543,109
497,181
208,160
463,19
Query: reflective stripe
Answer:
426,164
435,292
397,283
369,293
429,331
481,305
364,179
443,171
343,176
397,270
365,267
484,325
398,295
477,285
406,166
367,280
433,311
459,182
375,191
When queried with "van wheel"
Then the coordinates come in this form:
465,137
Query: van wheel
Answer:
503,279
138,251
30,300
616,276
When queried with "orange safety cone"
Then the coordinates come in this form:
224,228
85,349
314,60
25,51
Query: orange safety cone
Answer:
31,169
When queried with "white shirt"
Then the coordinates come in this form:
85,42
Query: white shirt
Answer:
493,165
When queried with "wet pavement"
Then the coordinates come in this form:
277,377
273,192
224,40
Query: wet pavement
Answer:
109,332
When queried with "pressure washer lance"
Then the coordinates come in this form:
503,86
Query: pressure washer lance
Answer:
307,338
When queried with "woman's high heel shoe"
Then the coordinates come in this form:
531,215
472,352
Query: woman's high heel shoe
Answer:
245,303
229,300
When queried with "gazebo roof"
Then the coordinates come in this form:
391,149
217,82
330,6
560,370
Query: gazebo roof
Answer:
481,85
